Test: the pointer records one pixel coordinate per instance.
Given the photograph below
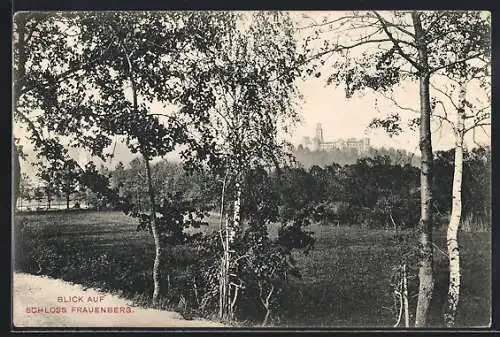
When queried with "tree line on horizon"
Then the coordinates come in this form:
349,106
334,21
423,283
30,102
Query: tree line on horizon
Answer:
378,191
309,158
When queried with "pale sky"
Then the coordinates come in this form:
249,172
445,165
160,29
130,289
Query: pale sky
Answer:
339,116
342,117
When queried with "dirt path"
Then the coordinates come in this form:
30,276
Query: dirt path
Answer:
44,302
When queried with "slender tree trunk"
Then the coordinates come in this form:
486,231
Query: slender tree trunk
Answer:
266,317
452,240
454,224
154,225
226,295
156,234
229,233
426,279
229,236
48,198
224,272
237,211
267,305
67,197
232,235
405,297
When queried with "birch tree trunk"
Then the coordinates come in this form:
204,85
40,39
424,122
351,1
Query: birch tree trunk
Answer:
151,193
156,235
405,297
224,266
426,279
454,224
237,211
425,274
229,236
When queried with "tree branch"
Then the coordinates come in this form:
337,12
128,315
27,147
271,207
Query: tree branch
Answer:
432,70
432,24
398,27
390,98
474,138
38,136
445,119
444,94
397,46
347,17
66,74
342,47
481,125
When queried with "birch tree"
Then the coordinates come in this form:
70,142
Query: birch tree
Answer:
379,50
252,83
460,105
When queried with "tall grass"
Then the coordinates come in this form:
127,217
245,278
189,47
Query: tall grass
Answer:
471,223
346,278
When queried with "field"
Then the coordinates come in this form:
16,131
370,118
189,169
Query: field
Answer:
345,282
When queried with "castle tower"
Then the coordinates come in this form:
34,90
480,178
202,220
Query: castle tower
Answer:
319,133
366,144
318,140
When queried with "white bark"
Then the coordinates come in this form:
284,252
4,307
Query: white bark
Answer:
156,236
156,264
454,224
237,210
226,304
265,302
426,273
405,298
154,225
223,273
226,309
400,296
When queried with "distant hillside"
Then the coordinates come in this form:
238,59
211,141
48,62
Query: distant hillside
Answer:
308,158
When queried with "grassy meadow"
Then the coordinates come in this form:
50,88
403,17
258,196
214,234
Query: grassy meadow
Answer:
345,278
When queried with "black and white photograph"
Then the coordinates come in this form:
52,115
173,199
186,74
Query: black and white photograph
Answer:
251,169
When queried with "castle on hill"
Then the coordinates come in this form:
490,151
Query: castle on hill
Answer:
319,144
